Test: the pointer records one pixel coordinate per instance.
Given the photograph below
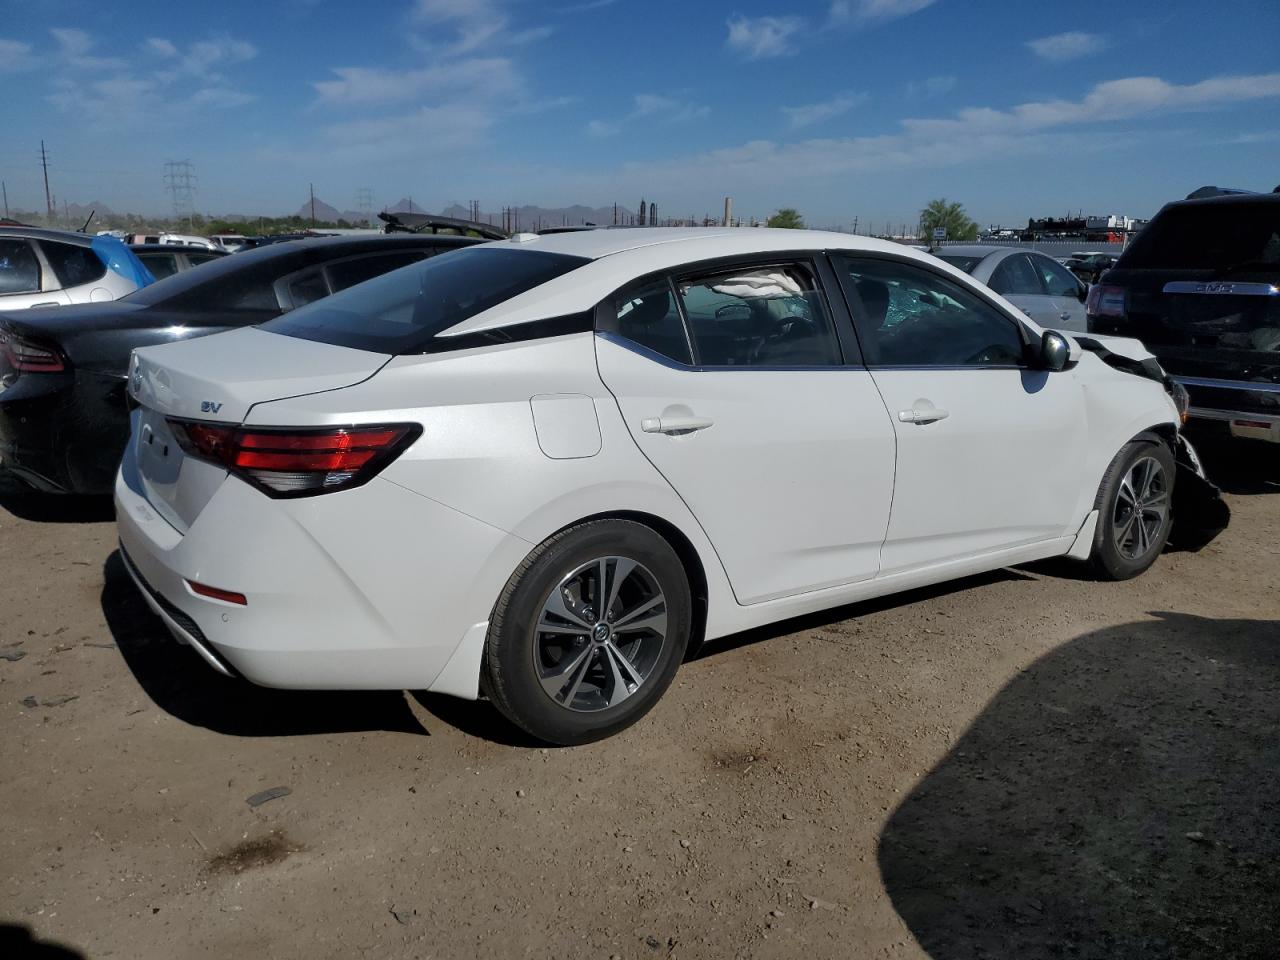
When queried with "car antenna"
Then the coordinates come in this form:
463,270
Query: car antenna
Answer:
89,221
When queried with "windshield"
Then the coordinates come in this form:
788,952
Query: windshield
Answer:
401,311
1210,236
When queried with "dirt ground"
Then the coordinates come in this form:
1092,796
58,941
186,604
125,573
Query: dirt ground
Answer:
1024,764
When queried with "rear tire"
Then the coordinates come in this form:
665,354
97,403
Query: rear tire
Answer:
588,632
1135,509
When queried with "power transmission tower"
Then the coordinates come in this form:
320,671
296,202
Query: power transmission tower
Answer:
48,197
312,188
181,184
364,203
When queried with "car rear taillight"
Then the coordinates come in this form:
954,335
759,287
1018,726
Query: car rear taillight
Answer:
24,356
302,462
1105,300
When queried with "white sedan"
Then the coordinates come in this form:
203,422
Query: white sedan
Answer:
547,469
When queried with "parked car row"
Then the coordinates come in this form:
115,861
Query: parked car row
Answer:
547,468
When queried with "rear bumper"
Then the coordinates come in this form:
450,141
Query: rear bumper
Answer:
378,588
1247,408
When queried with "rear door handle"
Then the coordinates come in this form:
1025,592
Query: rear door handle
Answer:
674,424
922,415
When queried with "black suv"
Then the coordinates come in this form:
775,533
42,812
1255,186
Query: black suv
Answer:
1200,286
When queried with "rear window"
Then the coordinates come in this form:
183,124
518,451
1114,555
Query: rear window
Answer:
962,263
401,312
1212,236
73,264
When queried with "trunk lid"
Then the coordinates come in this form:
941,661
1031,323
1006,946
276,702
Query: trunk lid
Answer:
218,379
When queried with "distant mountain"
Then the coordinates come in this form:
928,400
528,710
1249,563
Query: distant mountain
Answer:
79,213
328,213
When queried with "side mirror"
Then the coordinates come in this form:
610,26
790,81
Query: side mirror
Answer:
1055,352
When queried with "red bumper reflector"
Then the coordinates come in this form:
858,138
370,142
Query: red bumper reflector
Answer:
1256,424
228,596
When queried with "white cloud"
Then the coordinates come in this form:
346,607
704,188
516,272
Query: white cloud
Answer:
161,47
854,11
14,56
972,135
815,113
930,87
760,38
476,78
588,5
470,25
1071,45
73,51
654,108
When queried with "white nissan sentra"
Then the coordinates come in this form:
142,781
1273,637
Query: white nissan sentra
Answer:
547,469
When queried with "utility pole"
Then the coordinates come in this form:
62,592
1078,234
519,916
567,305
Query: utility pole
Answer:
5,190
312,188
48,197
855,226
728,211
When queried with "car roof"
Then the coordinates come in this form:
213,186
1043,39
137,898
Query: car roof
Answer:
977,250
41,233
620,256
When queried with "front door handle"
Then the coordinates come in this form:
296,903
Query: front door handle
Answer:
670,425
1064,316
922,415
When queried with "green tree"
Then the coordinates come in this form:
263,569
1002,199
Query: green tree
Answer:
950,217
788,218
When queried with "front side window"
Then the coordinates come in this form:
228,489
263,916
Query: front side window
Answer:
161,265
1016,277
73,265
1058,280
910,316
759,316
403,311
648,315
19,268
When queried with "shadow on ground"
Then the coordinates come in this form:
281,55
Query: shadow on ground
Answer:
26,504
1120,798
18,943
182,684
1247,467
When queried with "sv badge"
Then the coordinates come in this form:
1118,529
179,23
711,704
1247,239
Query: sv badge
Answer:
208,406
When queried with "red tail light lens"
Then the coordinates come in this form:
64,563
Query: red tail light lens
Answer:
285,462
1105,301
24,356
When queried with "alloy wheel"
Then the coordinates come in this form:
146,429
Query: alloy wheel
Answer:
600,634
1141,508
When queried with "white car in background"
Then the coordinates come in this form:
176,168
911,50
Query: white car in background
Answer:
549,468
1035,283
52,268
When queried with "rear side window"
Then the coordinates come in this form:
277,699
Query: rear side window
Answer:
962,263
19,268
402,311
308,288
648,315
1212,236
347,273
73,265
759,316
195,259
1016,277
161,265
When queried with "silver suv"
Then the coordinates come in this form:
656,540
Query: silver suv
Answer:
51,268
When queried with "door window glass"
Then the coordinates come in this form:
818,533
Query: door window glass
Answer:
1058,280
648,315
1016,277
347,273
760,316
73,265
308,288
161,265
195,259
19,268
910,316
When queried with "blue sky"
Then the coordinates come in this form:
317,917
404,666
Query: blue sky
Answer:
864,108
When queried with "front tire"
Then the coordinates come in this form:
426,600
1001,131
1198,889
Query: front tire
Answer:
1135,509
589,632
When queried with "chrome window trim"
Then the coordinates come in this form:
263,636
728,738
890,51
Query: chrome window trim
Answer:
1249,386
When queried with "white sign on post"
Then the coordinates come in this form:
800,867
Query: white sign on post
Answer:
939,233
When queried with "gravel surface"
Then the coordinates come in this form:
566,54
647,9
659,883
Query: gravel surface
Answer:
1023,764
